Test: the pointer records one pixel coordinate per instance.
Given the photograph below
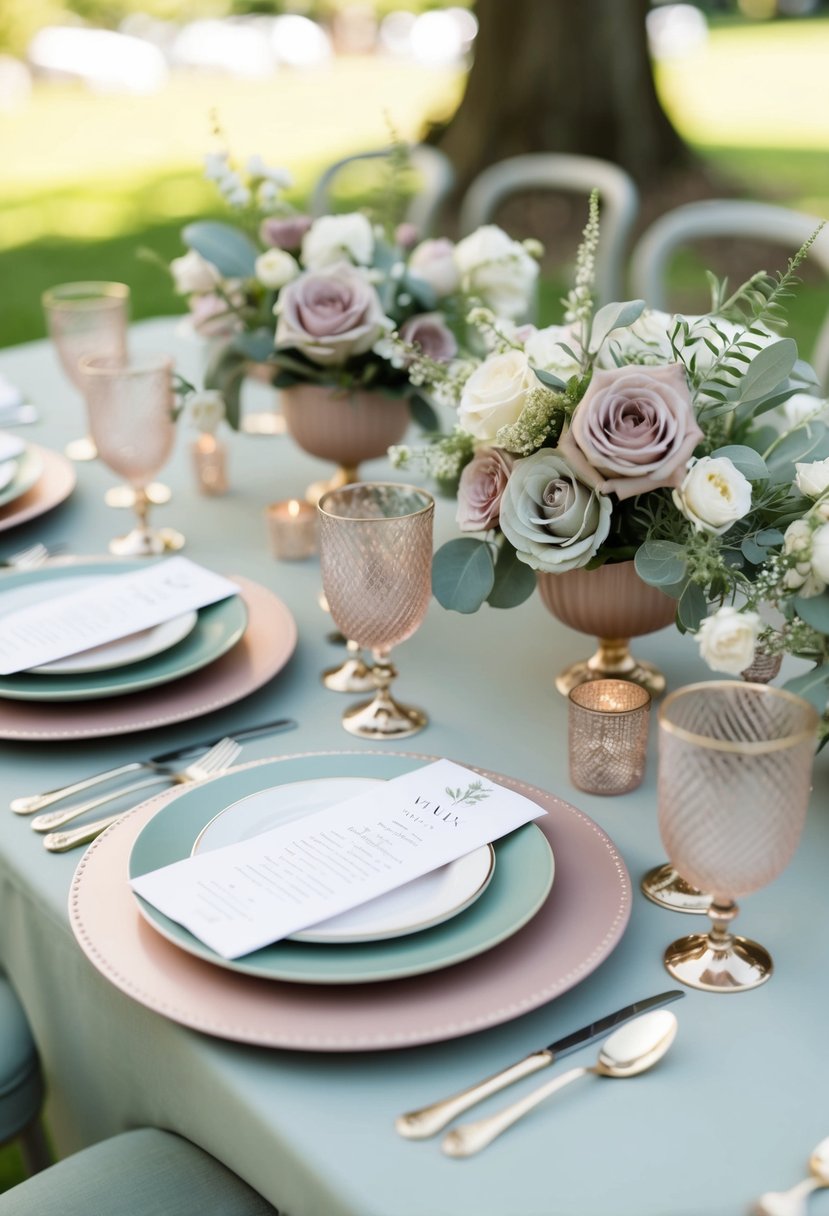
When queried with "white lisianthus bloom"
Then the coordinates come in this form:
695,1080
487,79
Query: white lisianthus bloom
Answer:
801,406
498,269
275,268
193,274
802,577
204,410
647,340
813,477
713,495
820,553
728,638
338,238
495,394
544,350
433,262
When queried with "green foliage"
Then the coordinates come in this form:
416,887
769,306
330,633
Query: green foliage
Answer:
463,574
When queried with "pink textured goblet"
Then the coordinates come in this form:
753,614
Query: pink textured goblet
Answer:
376,558
131,415
735,764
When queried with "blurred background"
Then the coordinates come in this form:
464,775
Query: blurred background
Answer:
108,106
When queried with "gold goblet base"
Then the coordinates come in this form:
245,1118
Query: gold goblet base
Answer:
699,962
612,661
354,675
123,496
147,542
383,718
664,886
345,475
82,449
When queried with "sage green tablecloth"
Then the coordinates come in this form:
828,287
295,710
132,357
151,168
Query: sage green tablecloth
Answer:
732,1111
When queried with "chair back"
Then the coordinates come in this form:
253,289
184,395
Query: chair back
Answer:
618,199
434,172
652,254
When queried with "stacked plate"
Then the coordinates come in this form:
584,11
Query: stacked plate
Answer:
212,657
472,944
33,480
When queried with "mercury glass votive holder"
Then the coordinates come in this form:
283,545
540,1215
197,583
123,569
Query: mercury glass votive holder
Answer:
608,735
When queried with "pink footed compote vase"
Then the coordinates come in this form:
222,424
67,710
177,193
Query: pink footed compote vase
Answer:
376,559
132,419
85,320
735,766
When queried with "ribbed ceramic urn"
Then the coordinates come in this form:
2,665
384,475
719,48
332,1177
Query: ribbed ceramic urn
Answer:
345,427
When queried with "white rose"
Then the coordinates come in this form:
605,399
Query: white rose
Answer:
337,238
544,350
494,395
728,638
498,269
204,410
647,340
801,406
813,477
713,495
820,553
433,262
275,268
193,274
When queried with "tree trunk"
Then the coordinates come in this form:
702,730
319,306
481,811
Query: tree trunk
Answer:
562,76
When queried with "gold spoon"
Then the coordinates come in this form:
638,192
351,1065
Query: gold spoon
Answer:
630,1050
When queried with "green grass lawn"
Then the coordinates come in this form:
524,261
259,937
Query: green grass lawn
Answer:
95,177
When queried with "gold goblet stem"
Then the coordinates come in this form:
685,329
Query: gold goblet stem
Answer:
383,717
612,660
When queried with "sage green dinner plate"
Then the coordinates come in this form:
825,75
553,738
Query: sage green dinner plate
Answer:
28,471
219,626
519,886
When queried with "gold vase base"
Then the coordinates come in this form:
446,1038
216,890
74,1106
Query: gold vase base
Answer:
124,496
697,962
345,475
383,718
147,542
266,423
353,675
612,661
81,449
664,886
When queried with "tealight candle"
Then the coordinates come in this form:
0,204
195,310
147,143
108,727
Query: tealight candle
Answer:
210,464
293,529
608,736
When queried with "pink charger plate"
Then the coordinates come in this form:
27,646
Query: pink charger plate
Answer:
56,483
576,929
268,642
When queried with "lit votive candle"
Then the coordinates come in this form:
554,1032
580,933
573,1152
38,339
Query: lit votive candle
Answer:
608,736
210,464
292,526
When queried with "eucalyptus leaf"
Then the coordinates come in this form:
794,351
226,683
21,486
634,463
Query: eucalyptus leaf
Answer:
693,607
514,580
769,537
768,370
549,379
421,290
231,251
813,686
226,372
810,441
423,412
463,574
814,610
614,316
256,345
661,563
748,462
753,552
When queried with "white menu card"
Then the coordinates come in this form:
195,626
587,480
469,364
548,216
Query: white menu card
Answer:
247,895
113,608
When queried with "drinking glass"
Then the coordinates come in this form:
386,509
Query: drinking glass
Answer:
376,559
131,414
735,764
84,320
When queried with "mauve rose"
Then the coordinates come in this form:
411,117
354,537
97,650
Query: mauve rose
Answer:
553,521
429,332
284,233
212,316
330,315
406,235
481,488
634,430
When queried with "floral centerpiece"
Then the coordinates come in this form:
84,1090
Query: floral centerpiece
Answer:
314,300
628,435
